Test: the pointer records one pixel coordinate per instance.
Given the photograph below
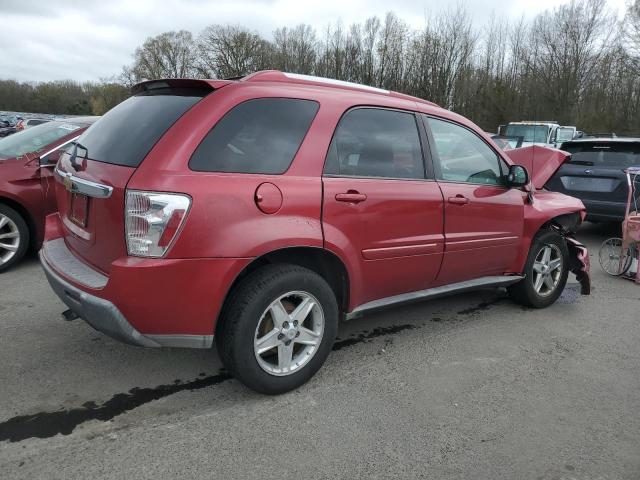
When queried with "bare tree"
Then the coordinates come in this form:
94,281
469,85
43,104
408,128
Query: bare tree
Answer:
225,51
168,55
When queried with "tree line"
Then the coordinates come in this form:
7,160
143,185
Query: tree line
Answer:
577,64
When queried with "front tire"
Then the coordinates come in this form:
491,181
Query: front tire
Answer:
14,237
278,328
546,271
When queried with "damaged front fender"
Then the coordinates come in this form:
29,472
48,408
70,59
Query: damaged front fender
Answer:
579,263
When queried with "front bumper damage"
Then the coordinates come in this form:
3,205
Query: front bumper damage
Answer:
579,263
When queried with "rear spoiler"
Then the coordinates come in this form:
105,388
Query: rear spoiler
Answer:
206,85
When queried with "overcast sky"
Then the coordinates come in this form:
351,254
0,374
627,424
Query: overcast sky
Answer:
92,39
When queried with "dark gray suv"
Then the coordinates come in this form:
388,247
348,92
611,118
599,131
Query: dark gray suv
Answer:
595,175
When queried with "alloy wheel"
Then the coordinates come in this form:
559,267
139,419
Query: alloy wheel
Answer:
289,333
9,239
547,270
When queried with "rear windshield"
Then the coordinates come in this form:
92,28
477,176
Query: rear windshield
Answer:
126,133
616,155
529,133
35,139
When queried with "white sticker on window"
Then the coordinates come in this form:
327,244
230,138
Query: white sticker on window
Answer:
70,127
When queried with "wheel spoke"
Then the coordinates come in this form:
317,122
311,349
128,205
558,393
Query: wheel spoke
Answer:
537,267
307,337
267,342
278,314
302,311
537,285
546,255
548,281
3,221
6,246
555,264
8,235
285,356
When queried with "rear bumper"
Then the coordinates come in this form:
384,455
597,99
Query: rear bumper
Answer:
143,301
101,314
602,211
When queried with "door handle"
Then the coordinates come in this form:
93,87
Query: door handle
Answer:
351,196
459,200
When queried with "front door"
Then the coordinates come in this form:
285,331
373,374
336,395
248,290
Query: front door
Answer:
380,211
484,218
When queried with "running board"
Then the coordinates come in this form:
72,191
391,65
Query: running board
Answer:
436,292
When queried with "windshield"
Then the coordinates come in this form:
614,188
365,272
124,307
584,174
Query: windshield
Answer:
34,139
529,133
615,155
125,135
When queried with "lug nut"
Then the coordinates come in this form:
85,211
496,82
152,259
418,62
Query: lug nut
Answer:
280,336
285,325
297,334
287,343
295,323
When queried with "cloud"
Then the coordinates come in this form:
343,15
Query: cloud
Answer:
92,39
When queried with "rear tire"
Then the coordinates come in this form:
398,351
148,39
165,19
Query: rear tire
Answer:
14,237
278,328
546,271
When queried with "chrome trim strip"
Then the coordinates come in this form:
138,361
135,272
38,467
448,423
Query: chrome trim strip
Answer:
435,292
80,185
57,148
182,341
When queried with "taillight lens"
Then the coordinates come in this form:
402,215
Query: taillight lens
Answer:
153,220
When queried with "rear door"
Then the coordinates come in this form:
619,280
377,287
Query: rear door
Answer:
380,208
483,219
92,176
595,175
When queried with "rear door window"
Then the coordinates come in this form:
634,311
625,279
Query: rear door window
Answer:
126,133
257,136
371,142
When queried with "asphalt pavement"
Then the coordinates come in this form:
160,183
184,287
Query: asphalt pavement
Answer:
466,387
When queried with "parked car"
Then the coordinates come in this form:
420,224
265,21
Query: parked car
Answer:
6,129
595,174
542,133
260,211
30,122
505,142
27,191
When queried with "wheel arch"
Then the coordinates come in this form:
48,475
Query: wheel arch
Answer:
324,262
24,213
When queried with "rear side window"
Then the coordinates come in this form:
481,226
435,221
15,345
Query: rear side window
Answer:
370,142
257,136
604,154
126,133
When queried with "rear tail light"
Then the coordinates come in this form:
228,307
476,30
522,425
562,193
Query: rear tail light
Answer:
152,221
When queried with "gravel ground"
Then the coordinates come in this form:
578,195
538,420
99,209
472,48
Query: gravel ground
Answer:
471,386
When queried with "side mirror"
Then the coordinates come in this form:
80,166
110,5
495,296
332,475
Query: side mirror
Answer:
517,176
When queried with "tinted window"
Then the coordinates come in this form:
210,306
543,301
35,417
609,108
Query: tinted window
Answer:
127,132
463,156
257,136
35,139
611,154
372,142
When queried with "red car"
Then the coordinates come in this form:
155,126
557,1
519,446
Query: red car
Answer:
27,192
260,211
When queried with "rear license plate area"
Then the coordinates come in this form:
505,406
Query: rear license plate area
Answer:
79,209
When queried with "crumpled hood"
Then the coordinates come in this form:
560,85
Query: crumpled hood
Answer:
541,162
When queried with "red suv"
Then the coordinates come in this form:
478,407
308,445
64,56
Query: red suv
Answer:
27,192
260,211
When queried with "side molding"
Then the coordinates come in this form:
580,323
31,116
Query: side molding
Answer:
435,292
